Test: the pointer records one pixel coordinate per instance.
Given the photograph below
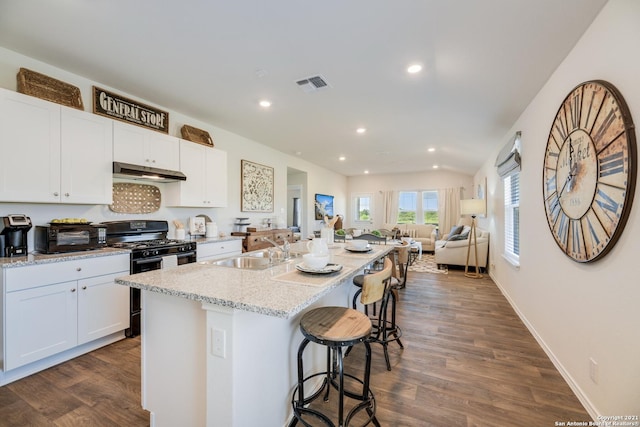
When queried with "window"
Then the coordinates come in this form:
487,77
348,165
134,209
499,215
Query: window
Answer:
363,208
430,207
512,217
407,207
418,207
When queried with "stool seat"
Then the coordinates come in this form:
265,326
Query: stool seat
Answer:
335,326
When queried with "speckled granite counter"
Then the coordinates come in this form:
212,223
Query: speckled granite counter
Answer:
34,258
207,240
279,291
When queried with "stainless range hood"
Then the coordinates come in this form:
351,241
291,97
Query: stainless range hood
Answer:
129,171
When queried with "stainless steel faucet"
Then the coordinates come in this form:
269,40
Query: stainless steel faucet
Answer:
285,248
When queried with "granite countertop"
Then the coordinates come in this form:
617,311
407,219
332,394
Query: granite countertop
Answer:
280,291
36,258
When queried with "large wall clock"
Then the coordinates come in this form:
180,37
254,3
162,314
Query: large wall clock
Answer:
589,173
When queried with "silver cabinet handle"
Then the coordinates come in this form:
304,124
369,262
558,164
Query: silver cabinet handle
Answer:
56,194
66,194
79,269
73,289
84,288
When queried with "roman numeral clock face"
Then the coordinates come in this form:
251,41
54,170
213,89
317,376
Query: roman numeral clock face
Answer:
589,171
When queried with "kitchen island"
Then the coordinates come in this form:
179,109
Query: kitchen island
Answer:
219,344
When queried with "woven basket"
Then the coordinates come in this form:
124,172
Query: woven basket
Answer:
196,135
50,89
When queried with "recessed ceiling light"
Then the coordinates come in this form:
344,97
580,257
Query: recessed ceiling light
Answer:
298,153
361,130
436,166
431,150
265,103
415,68
366,172
342,158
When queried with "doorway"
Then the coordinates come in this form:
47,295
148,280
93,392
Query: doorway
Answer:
296,200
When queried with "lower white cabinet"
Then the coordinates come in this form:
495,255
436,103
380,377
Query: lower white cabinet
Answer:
50,308
218,250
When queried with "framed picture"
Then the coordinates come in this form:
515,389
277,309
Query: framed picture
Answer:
324,206
257,187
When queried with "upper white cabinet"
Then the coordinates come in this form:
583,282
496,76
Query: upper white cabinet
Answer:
58,154
87,157
139,146
30,143
206,171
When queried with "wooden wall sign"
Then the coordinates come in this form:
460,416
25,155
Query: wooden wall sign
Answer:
120,108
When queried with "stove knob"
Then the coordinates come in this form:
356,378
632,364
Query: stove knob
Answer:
156,252
145,253
182,248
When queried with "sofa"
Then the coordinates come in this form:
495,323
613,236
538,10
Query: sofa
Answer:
426,234
452,250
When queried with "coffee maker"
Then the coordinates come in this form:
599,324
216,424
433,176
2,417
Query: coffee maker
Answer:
13,235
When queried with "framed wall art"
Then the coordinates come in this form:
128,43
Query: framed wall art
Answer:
324,206
257,187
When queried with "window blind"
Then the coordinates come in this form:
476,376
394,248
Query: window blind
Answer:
508,160
512,215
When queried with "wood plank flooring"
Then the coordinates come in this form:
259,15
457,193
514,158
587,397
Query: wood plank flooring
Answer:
468,361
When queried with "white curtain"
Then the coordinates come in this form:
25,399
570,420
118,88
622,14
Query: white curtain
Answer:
390,205
448,209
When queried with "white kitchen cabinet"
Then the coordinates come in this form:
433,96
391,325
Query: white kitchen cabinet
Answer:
87,158
30,145
54,307
40,322
139,146
58,154
206,172
217,250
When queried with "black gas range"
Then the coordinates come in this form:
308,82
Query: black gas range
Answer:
150,249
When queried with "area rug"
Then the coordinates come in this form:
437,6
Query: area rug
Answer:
427,265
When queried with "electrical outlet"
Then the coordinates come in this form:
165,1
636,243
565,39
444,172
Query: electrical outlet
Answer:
219,343
593,370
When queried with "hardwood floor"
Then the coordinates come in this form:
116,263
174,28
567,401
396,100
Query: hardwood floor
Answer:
468,361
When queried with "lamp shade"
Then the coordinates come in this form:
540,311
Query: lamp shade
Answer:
472,207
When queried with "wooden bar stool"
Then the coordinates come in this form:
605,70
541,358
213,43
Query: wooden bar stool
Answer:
384,330
337,327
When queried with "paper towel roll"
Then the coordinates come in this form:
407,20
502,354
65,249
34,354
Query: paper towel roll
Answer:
169,261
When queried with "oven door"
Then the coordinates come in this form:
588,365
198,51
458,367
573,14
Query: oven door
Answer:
155,263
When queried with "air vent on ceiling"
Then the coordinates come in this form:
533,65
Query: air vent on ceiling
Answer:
312,84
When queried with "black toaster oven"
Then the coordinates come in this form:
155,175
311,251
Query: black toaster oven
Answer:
58,238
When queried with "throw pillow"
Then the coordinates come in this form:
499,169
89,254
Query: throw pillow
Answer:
461,236
456,229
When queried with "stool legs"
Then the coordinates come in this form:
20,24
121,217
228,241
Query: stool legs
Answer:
333,377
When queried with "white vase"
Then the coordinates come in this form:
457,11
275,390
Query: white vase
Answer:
327,233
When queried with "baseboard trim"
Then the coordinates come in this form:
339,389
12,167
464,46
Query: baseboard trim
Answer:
582,397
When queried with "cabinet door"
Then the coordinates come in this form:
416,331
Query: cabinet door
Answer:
163,150
40,322
103,307
140,146
87,156
216,178
193,164
30,146
129,144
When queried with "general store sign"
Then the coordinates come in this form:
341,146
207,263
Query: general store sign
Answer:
120,108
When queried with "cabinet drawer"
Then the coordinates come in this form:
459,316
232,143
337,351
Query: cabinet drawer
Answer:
32,276
208,250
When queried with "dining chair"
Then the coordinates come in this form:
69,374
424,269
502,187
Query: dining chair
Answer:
372,238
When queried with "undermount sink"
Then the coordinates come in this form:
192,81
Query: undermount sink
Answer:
255,260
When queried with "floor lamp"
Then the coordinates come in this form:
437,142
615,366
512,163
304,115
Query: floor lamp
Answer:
472,207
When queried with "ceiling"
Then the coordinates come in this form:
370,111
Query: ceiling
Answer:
214,60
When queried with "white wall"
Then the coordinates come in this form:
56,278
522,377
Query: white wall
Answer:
376,184
320,180
577,311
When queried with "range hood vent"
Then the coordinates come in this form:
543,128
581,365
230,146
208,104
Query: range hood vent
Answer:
129,171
